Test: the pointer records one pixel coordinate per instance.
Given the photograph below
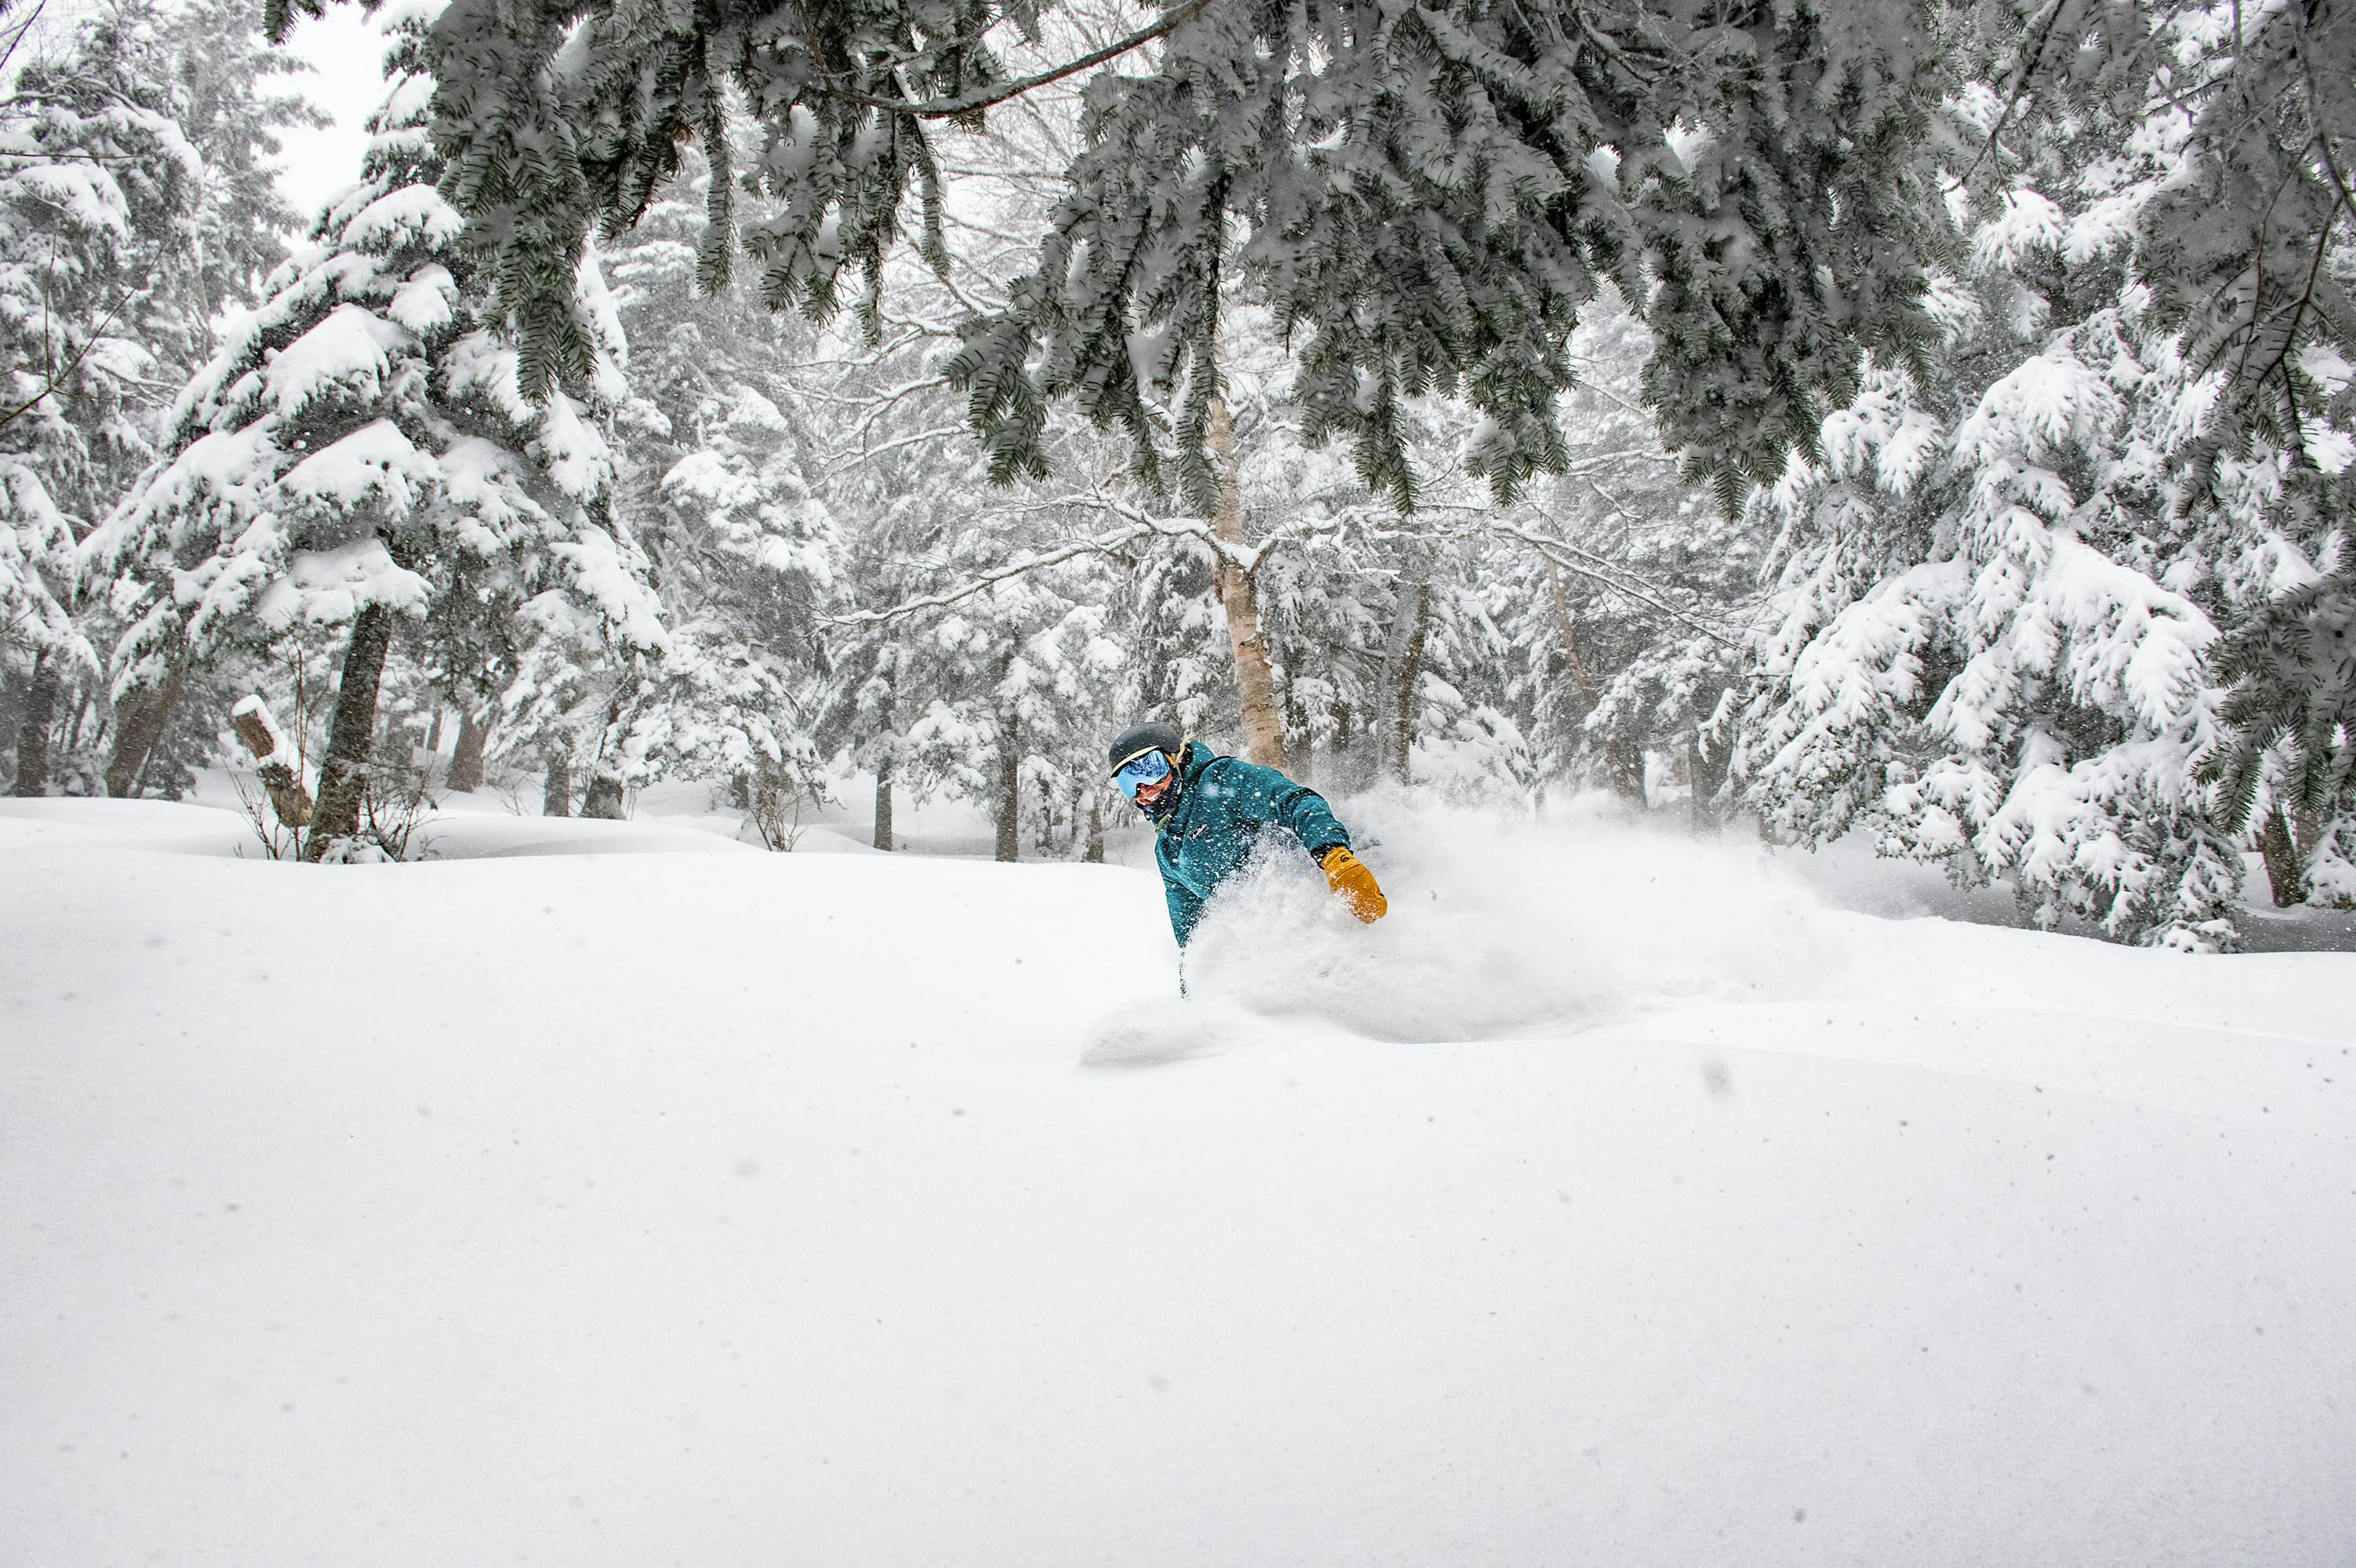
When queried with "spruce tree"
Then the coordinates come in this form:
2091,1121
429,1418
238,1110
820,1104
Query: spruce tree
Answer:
360,453
714,481
1997,607
100,207
2248,253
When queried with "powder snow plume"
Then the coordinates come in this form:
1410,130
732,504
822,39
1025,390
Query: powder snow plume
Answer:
1502,928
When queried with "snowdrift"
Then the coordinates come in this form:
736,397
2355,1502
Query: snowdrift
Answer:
1614,1202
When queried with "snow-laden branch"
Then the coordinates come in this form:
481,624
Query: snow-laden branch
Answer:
1607,574
956,108
1103,544
869,452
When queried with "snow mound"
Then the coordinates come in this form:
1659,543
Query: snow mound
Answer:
824,841
1156,1030
1500,929
482,836
69,822
710,1208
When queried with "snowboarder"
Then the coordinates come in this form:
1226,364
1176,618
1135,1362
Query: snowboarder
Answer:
1208,811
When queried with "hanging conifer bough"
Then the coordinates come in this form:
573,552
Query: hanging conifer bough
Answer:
1426,195
1429,196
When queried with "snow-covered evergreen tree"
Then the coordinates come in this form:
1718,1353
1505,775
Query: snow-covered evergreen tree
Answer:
97,202
1429,199
360,454
1998,608
135,202
742,549
222,71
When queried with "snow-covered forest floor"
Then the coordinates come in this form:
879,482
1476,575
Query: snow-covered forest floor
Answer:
1616,1200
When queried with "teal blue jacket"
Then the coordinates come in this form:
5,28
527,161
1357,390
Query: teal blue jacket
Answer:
1224,805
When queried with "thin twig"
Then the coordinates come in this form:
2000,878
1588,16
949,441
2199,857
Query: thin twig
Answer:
2021,89
50,383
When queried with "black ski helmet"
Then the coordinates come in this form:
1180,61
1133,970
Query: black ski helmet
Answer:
1148,736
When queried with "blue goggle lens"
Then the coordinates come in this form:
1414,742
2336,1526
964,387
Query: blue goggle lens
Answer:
1143,769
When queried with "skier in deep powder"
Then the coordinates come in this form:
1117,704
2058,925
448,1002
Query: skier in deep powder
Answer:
1208,813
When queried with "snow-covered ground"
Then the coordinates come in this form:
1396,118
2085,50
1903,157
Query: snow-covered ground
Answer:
1617,1201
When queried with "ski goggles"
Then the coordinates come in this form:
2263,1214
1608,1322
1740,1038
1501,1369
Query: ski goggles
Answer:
1146,768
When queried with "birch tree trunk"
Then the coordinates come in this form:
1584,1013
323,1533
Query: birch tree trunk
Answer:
33,734
1255,682
1566,634
343,773
139,721
281,777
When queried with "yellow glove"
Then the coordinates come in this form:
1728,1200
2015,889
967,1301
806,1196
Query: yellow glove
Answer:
1354,884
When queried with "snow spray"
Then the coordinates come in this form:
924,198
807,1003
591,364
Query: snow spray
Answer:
1502,928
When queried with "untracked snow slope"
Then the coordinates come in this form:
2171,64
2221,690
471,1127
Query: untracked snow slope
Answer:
1612,1203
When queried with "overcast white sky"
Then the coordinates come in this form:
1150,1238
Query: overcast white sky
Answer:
346,57
346,54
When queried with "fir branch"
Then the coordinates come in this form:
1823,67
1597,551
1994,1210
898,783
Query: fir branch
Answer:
2028,73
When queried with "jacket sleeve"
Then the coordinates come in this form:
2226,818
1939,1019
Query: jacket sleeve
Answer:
1185,903
1263,794
1186,909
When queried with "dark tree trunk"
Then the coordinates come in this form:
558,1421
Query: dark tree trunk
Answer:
467,761
1708,775
33,735
1094,854
1010,789
556,793
1404,664
139,722
1342,759
1302,754
605,796
1623,770
884,803
351,728
2286,872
